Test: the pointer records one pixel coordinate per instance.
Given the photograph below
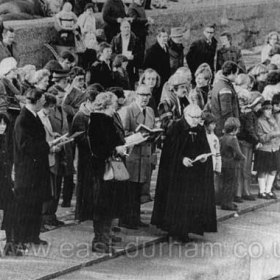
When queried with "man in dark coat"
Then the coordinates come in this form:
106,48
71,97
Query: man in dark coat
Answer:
157,56
140,23
229,52
176,49
224,99
185,197
113,12
32,185
127,43
101,71
203,50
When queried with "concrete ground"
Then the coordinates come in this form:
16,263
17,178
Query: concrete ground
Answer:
244,248
70,247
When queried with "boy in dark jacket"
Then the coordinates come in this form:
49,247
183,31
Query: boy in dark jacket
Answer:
231,157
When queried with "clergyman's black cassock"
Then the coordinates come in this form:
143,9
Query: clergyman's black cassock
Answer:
184,200
32,185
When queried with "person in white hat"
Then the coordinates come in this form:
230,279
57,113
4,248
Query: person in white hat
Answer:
176,48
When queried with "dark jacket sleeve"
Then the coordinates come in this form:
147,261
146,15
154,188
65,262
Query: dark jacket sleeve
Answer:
29,145
236,148
191,56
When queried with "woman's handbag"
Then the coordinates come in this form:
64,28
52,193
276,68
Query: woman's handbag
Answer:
115,170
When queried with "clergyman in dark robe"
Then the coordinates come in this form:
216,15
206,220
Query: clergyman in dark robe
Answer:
185,198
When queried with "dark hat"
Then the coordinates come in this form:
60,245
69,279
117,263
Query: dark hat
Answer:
255,99
266,105
60,74
118,91
177,32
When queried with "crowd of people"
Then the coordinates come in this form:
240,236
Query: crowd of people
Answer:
218,120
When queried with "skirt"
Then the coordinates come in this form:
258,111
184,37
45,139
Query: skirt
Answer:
267,161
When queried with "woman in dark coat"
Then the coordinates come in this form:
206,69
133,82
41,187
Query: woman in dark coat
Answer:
184,200
6,185
84,205
104,142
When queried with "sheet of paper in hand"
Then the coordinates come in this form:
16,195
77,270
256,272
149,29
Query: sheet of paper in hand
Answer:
199,157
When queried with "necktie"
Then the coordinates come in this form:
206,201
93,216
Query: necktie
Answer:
144,113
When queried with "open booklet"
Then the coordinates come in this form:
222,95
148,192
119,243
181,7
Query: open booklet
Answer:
199,157
144,129
135,139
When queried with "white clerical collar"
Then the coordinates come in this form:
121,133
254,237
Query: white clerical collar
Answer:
30,110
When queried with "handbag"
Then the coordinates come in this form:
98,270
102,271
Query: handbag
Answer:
115,170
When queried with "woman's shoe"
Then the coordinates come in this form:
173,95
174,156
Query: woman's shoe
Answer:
272,195
263,196
238,199
249,197
102,248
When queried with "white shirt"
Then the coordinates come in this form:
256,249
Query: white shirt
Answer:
125,42
214,144
30,110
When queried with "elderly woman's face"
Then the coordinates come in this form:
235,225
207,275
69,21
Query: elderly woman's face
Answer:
43,83
273,40
150,80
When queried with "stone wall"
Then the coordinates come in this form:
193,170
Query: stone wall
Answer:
249,24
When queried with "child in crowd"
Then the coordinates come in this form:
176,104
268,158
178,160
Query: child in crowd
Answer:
120,75
243,85
248,141
272,85
276,114
231,157
267,155
259,72
210,124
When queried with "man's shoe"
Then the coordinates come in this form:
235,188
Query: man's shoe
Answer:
229,207
39,242
102,248
238,199
116,239
249,197
141,224
116,229
11,249
66,204
128,226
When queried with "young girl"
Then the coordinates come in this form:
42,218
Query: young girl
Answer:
203,77
6,194
210,124
267,155
231,157
120,75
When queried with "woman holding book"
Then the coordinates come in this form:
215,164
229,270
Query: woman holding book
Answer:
105,141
